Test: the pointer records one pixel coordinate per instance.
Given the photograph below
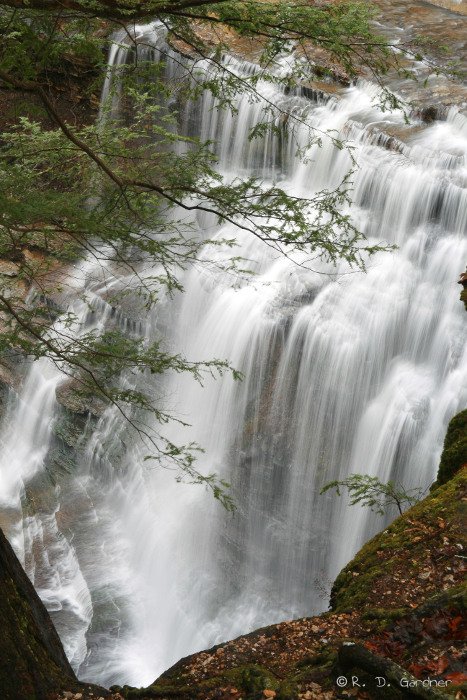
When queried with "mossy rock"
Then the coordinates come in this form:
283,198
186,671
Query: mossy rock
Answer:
252,679
454,455
395,549
464,297
33,664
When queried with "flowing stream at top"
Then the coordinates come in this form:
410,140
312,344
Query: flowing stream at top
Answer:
343,373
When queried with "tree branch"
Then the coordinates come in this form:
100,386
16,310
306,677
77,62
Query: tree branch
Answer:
109,9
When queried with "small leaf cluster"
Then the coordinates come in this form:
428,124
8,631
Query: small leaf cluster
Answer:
370,492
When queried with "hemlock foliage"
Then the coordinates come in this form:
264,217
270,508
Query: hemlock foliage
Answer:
118,191
370,492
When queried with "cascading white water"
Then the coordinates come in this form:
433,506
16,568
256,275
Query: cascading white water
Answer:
344,372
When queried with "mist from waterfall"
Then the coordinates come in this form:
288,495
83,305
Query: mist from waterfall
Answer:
344,372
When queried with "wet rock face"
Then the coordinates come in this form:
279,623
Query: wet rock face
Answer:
463,282
458,6
76,399
12,371
429,114
32,660
7,382
434,29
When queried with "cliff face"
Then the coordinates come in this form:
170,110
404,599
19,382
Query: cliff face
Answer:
397,608
400,599
32,660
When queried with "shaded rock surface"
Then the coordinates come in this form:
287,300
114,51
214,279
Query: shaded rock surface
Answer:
454,455
76,398
32,660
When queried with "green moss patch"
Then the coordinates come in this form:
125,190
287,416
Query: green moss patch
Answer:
395,569
454,455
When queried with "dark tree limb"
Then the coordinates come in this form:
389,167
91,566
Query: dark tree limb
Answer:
356,656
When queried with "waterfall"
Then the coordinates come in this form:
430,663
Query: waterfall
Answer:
344,372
